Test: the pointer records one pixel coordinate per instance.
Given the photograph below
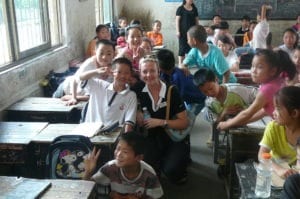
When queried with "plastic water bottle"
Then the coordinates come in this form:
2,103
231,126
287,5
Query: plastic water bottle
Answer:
146,113
146,116
264,176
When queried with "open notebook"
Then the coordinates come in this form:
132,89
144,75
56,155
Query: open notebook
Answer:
91,129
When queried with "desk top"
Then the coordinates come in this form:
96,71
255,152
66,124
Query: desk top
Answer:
48,134
253,127
247,178
12,187
43,104
19,132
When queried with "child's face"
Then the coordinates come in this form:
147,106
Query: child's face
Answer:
146,46
296,59
156,27
289,39
245,23
191,41
224,47
104,55
281,114
134,38
103,34
210,89
261,72
122,74
217,20
149,72
209,30
122,23
124,155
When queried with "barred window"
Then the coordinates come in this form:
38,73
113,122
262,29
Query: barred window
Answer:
27,28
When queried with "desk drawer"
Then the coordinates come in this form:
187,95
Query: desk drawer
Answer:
13,154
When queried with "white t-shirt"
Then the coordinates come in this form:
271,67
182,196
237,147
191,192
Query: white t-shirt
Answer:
260,34
231,58
122,109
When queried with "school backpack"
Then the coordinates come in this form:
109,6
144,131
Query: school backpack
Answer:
65,159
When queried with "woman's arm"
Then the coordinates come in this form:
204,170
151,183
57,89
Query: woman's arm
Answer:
246,115
177,21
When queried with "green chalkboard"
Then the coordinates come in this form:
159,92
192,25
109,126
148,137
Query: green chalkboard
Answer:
235,9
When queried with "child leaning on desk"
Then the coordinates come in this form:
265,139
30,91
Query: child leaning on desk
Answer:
270,69
281,135
128,175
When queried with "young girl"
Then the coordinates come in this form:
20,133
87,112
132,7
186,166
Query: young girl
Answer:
266,70
102,32
280,136
146,45
132,50
296,60
225,44
290,41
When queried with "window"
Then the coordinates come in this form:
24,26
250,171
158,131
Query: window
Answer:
104,12
27,27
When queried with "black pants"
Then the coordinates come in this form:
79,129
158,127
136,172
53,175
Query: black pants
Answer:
167,156
291,187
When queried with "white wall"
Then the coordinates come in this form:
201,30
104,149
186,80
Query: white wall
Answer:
78,18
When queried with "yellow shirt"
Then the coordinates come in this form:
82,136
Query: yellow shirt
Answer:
275,139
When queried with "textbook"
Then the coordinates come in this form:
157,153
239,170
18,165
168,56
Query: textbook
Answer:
91,129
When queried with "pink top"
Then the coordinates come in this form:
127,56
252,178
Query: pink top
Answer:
134,57
268,90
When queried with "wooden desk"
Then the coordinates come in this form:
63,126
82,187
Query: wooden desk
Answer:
14,145
44,109
12,187
243,145
42,141
244,77
246,174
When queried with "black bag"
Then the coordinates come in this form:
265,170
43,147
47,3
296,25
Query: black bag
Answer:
65,159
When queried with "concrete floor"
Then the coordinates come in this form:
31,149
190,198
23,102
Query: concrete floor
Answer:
203,182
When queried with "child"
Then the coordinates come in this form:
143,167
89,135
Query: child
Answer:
132,50
266,70
102,32
296,60
225,99
104,55
242,30
193,98
206,55
281,135
146,45
111,102
155,35
223,29
122,22
249,35
128,175
290,41
225,44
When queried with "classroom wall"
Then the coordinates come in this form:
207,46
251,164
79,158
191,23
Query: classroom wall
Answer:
78,18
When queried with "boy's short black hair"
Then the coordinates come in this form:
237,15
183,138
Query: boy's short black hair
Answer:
246,17
166,59
198,32
100,27
202,76
135,141
122,60
216,15
105,42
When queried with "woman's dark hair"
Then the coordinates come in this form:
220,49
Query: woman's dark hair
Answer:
166,59
279,59
294,32
202,76
289,97
184,2
135,141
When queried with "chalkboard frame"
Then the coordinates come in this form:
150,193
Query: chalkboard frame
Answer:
235,9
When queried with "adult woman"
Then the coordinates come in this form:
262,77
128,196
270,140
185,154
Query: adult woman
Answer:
162,153
186,17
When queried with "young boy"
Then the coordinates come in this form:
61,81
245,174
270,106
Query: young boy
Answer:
239,34
105,53
111,102
128,176
224,100
155,35
206,55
